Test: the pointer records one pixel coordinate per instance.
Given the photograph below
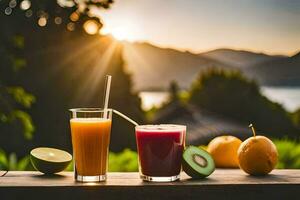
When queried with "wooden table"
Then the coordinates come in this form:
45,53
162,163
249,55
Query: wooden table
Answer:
222,184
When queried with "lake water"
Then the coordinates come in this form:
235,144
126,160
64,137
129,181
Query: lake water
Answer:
153,99
289,97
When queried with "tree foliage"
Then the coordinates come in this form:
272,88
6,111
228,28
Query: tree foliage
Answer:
296,117
174,91
230,94
63,67
289,154
11,162
125,100
125,161
61,12
14,100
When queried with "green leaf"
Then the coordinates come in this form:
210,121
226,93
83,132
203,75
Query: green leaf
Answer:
18,63
18,41
23,163
21,96
289,154
3,160
26,121
125,161
3,118
12,161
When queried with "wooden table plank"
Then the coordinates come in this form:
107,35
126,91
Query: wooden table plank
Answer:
219,177
224,184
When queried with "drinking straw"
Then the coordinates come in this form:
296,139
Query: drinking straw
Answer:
106,98
125,117
106,94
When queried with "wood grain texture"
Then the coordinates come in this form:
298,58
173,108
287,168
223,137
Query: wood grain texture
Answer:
222,184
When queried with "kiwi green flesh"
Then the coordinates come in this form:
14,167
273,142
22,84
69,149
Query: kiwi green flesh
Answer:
49,160
197,163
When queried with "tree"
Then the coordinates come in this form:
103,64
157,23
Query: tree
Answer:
14,103
124,100
230,94
174,91
14,100
18,39
296,117
65,68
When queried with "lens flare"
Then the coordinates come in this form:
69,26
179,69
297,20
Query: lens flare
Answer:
91,27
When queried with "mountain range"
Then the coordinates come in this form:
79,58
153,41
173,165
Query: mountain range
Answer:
284,71
238,58
153,68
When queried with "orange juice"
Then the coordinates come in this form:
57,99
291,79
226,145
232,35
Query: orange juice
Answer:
90,140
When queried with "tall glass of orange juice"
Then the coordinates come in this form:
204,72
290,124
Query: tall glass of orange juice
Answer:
90,132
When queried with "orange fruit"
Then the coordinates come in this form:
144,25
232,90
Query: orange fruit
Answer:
224,151
257,155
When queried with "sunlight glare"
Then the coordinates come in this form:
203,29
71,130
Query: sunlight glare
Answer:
101,62
123,32
120,33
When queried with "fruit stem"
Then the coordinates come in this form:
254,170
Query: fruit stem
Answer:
253,129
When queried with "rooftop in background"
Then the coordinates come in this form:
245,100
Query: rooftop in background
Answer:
202,125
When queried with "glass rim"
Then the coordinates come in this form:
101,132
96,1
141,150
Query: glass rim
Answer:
161,127
90,110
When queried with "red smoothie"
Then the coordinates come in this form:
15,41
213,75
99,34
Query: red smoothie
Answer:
160,149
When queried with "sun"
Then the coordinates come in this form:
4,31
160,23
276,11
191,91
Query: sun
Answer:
123,32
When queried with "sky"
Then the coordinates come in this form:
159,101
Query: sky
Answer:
268,26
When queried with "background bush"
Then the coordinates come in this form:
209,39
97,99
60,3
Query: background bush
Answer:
125,161
230,94
289,154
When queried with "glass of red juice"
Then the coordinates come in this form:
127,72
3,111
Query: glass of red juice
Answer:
160,149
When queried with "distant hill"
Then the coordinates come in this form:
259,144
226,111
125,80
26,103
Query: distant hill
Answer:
284,71
238,58
153,68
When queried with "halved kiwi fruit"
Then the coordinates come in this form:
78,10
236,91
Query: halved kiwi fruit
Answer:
49,160
197,162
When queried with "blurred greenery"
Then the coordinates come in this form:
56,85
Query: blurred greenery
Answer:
296,117
230,94
45,70
21,96
174,91
127,160
15,101
289,154
124,161
11,162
